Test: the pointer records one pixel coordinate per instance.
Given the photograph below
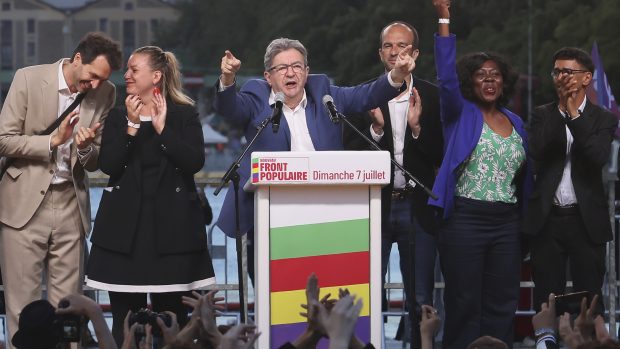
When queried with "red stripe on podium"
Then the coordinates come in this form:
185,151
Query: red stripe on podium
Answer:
332,270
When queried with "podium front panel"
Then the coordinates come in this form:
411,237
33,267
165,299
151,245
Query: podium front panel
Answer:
325,222
321,234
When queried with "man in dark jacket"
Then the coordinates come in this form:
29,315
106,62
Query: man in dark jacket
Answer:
567,217
415,142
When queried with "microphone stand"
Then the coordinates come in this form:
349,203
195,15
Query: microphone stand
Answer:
241,240
412,181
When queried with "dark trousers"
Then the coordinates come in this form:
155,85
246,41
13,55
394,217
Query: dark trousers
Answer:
122,302
479,250
401,228
564,239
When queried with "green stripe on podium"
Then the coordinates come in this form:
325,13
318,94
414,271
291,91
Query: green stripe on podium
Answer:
320,239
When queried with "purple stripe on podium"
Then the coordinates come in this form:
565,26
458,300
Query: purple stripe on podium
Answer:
281,334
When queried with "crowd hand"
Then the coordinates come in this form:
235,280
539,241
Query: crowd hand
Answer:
340,321
239,337
429,325
203,317
169,332
230,66
208,312
85,136
129,341
571,337
65,130
584,323
414,111
129,333
134,105
546,316
343,292
602,334
442,7
185,338
159,115
77,305
405,64
311,308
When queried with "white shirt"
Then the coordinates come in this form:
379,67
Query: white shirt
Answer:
565,193
62,173
296,119
398,107
297,124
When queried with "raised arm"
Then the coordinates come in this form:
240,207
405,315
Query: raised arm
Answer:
451,98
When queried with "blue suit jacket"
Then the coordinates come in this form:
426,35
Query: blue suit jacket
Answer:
462,125
250,106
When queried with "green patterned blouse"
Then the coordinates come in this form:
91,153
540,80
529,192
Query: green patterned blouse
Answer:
489,172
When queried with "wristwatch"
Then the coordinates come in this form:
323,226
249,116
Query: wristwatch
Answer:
133,124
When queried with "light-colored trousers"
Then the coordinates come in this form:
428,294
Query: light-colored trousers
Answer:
52,242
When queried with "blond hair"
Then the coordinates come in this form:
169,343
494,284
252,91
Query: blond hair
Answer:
168,65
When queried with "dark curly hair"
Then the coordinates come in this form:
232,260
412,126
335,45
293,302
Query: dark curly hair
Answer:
95,44
468,64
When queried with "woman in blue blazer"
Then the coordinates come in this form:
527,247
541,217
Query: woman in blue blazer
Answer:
482,181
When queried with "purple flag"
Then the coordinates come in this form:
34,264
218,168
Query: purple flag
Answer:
599,91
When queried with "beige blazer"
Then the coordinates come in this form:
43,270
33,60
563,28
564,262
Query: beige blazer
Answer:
30,107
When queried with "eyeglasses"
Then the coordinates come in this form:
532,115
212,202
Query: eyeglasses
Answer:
557,72
283,68
482,74
388,46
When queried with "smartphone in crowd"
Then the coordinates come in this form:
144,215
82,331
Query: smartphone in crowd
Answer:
571,302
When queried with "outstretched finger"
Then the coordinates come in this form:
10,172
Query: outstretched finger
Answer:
593,305
406,51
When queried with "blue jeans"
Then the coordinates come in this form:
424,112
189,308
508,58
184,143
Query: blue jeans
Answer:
403,229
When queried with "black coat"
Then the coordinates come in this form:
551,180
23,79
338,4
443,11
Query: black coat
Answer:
592,133
421,156
178,218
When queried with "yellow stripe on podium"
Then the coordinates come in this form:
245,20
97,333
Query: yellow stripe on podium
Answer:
286,306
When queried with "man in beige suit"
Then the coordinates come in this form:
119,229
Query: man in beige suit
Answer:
44,200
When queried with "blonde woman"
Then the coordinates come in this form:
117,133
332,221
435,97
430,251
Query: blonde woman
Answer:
149,234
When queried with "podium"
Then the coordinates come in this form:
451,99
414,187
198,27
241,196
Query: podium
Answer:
316,212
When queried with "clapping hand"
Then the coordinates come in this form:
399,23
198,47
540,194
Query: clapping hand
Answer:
159,115
567,88
414,111
85,136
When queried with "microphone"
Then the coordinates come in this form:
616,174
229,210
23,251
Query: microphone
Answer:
328,102
277,112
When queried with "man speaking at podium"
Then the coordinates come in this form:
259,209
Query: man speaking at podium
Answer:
306,125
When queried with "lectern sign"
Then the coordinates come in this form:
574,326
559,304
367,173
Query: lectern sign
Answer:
276,169
326,167
316,213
